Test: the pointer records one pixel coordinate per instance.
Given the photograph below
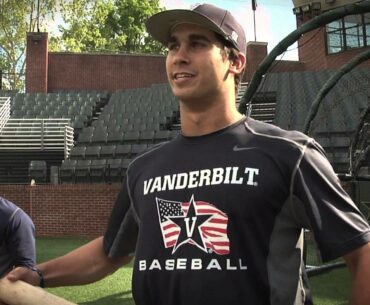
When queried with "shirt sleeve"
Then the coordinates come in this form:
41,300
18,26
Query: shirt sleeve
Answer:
121,234
337,224
21,239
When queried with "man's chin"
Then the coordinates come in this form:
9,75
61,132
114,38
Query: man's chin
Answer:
183,94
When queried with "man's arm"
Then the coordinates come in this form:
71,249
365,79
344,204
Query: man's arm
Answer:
358,262
87,264
21,239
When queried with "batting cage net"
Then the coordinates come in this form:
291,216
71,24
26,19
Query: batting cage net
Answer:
326,99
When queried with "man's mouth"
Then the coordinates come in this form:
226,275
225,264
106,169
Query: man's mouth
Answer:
182,75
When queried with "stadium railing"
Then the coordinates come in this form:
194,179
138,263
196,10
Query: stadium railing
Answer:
37,134
4,111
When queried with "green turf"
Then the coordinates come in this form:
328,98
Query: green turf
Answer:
331,288
113,290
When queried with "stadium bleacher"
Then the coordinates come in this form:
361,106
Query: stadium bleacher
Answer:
111,129
131,121
338,116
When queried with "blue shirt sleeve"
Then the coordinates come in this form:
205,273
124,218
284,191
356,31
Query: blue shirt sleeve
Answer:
21,239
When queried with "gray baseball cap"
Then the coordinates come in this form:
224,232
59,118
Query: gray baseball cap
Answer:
206,15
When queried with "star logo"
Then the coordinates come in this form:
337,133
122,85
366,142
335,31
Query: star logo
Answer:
196,223
190,227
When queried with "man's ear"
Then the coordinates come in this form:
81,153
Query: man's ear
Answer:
238,64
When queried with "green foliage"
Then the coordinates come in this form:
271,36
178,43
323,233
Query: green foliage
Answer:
107,25
88,26
17,17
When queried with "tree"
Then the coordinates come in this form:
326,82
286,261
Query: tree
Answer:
107,25
17,17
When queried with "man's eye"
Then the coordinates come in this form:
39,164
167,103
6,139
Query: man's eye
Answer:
197,44
172,46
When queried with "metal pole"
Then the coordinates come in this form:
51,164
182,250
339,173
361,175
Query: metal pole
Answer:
38,15
254,21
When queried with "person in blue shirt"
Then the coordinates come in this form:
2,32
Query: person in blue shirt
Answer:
17,238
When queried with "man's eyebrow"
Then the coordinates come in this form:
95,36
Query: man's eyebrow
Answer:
174,39
199,37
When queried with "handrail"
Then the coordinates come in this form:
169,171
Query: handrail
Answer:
4,111
37,134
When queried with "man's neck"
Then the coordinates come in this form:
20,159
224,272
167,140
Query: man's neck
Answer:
196,121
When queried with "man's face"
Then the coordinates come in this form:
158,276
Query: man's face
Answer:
196,66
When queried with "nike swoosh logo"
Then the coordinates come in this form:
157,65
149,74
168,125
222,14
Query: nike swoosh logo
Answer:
237,148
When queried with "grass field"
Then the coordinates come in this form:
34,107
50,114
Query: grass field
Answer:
332,288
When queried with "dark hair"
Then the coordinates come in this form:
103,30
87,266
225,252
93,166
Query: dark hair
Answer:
232,54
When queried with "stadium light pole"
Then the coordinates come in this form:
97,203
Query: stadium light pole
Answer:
38,15
254,7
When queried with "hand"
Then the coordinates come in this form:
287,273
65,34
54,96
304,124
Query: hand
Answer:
25,274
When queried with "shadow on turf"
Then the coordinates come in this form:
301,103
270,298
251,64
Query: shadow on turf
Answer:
114,299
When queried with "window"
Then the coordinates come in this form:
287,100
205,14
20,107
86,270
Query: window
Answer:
335,37
348,33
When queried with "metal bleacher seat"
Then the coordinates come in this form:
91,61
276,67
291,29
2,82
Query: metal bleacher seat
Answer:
67,171
138,148
99,135
85,135
115,136
37,170
162,135
323,141
78,152
78,121
126,126
82,171
114,170
140,126
92,152
125,164
123,151
131,136
98,170
147,136
341,141
112,124
108,151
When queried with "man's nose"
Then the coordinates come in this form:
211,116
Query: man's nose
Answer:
182,55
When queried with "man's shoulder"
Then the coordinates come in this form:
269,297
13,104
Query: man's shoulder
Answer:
148,154
11,214
273,132
7,209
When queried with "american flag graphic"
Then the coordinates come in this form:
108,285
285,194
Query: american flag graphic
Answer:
213,231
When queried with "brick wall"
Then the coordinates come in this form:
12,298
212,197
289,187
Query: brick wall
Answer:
73,209
313,51
58,71
37,62
50,72
65,209
256,52
68,71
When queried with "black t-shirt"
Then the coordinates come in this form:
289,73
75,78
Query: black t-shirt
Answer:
218,219
17,237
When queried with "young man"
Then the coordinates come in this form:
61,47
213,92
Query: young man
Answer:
216,216
17,238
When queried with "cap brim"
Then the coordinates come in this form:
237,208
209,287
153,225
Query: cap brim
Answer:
161,24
